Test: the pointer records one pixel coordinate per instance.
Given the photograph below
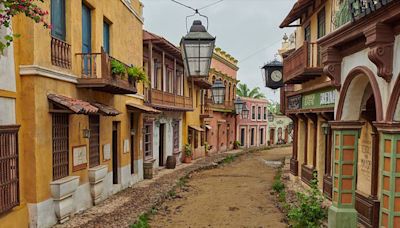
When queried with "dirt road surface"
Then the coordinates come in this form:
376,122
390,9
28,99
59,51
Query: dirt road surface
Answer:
235,195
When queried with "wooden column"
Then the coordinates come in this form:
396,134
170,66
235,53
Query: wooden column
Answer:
305,120
375,164
294,163
151,69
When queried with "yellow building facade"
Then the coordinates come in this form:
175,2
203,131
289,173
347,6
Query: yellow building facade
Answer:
80,139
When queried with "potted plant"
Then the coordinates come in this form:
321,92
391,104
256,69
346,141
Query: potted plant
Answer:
117,68
236,145
137,74
188,153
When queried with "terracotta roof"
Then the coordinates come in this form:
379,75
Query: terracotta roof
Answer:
162,42
106,110
75,105
142,108
295,13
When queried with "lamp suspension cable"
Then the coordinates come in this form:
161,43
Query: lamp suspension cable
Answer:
196,11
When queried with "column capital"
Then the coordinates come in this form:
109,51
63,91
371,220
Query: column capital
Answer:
346,125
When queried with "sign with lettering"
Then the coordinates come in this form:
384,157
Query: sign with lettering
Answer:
106,152
324,99
294,102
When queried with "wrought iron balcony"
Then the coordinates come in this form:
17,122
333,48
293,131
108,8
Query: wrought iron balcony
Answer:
303,64
96,74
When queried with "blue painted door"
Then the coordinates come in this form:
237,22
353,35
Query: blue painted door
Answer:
106,37
86,38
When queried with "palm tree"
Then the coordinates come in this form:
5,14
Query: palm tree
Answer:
244,91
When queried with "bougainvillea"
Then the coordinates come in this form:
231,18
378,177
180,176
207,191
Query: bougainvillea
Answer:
11,8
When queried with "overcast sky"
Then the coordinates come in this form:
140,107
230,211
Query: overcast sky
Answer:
246,29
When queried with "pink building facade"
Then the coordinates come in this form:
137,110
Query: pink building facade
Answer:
252,132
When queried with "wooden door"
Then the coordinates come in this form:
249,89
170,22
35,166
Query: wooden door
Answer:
94,141
272,136
161,146
115,152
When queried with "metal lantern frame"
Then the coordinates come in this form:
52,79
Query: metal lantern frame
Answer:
218,92
239,103
245,111
197,48
325,127
271,117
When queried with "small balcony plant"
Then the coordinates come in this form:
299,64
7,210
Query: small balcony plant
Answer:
117,68
188,153
236,145
137,74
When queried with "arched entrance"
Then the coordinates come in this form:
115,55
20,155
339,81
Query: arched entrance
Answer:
356,147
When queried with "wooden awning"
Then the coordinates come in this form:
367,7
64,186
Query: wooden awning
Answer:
295,13
142,108
197,128
75,105
106,110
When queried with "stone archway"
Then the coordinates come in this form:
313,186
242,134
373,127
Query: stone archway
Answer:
356,143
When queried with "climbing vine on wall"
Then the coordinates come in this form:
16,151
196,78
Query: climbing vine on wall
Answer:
11,8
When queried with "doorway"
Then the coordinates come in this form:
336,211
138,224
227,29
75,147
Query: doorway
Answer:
242,137
132,139
272,136
161,146
115,141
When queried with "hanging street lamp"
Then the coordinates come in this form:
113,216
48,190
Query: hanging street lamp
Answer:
197,48
218,92
270,117
238,105
245,112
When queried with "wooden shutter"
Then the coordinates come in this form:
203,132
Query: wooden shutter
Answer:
9,182
94,141
60,136
58,19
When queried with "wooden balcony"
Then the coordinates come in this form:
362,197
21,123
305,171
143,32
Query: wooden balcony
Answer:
169,101
303,64
227,107
96,74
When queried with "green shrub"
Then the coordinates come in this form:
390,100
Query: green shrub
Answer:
117,68
229,159
308,211
236,145
143,222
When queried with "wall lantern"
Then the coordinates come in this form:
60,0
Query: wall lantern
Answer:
197,48
245,112
218,92
86,133
271,117
238,106
325,128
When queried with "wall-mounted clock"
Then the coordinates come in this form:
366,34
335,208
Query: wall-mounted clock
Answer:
273,73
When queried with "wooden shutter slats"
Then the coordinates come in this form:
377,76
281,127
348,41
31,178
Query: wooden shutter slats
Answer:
9,181
60,145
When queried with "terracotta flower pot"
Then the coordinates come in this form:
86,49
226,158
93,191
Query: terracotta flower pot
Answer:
187,159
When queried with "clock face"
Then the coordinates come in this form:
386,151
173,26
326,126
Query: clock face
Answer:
276,76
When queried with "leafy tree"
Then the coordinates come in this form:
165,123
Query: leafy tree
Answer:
244,91
273,107
11,8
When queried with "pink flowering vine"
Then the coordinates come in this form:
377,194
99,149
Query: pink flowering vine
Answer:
12,8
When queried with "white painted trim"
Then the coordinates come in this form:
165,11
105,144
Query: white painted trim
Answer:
47,72
141,19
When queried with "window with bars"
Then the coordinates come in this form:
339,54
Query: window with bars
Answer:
176,135
94,141
147,140
9,178
60,138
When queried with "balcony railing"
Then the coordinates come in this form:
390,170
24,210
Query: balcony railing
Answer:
303,64
96,74
228,106
169,101
60,53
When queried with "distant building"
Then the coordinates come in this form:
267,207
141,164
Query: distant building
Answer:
252,131
280,130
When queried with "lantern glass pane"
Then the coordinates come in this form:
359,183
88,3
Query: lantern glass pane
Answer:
197,55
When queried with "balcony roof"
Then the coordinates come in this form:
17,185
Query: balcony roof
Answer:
295,13
163,43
